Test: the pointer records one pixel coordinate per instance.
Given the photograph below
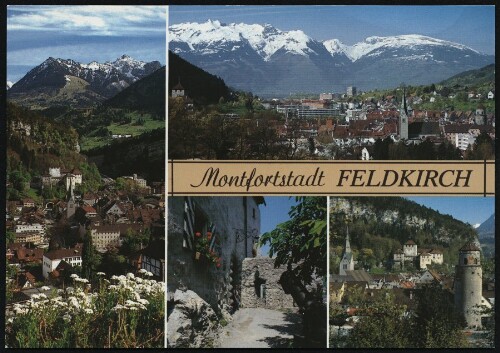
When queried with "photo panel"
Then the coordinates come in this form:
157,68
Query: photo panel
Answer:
246,264
413,272
85,176
331,82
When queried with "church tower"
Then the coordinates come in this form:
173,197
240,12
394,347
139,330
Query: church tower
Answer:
468,284
71,203
403,118
178,90
347,262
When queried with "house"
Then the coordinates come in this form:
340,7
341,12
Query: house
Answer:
30,237
52,259
23,253
30,228
424,129
152,259
28,203
66,177
491,94
421,257
109,235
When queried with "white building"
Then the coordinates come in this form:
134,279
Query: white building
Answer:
30,228
53,258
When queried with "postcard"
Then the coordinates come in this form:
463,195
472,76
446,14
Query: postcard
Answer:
254,176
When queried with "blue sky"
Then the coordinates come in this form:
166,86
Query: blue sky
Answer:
273,213
82,33
473,26
472,210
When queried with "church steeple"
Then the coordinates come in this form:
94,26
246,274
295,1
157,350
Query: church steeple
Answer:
71,203
404,107
403,118
347,262
347,242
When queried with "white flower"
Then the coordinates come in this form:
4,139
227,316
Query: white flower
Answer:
118,307
42,296
101,274
89,311
138,280
34,297
60,291
45,288
143,301
74,302
130,275
70,290
67,317
74,275
10,320
142,271
149,274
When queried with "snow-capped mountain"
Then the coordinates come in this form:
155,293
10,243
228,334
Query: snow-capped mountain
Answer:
65,79
267,60
212,36
9,84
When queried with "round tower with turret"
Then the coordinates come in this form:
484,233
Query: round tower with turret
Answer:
468,284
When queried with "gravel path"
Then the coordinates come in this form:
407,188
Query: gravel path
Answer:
261,328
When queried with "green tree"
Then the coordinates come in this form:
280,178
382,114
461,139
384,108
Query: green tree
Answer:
134,241
382,325
91,259
10,237
436,323
302,239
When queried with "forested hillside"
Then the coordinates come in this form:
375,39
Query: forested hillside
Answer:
380,225
198,84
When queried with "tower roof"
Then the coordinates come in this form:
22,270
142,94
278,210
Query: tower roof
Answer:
178,87
470,246
410,242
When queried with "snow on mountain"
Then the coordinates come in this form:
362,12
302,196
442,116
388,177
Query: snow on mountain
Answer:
260,58
265,40
65,81
408,41
9,84
208,37
335,46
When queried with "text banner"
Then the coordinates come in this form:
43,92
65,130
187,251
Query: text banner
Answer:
356,178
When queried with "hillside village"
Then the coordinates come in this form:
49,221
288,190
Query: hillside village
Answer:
353,291
123,221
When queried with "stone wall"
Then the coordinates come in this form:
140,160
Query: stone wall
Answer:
233,216
257,271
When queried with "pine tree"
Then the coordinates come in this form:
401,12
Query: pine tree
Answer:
90,258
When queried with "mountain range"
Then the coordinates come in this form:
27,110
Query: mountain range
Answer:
268,61
65,81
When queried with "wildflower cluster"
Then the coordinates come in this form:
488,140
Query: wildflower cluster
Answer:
202,246
124,311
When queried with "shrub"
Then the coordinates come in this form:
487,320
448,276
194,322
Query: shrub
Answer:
123,312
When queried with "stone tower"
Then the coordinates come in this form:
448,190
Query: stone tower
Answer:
410,249
403,118
468,284
347,262
178,90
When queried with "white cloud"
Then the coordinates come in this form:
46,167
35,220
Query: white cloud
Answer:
99,20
